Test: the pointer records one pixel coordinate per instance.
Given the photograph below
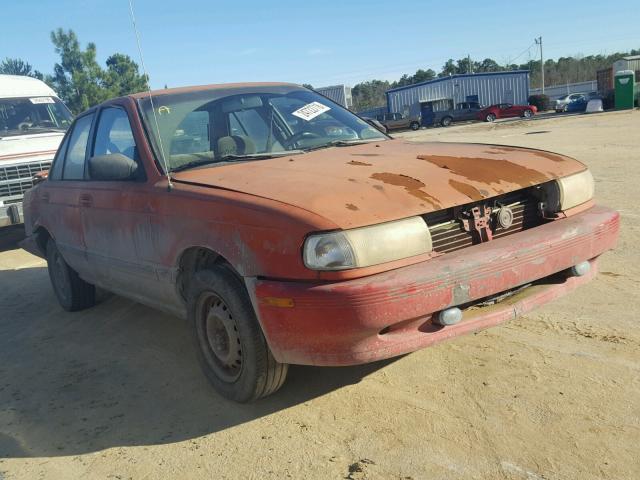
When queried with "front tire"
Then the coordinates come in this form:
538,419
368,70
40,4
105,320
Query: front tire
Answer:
414,126
231,348
73,293
527,114
446,121
490,117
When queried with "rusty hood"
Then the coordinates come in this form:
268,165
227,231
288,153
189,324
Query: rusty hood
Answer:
377,182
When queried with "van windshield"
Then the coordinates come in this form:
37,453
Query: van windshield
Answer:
22,116
222,124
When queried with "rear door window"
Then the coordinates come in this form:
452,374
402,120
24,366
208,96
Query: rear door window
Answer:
77,150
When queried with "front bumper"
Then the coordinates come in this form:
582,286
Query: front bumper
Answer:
388,314
11,214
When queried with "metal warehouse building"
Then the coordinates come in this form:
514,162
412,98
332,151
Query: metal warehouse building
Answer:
444,93
338,93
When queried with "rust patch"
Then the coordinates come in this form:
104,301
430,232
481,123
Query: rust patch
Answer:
378,187
554,157
362,164
466,189
351,206
410,184
486,170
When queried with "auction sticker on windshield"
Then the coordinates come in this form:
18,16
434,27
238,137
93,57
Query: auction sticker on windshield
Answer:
311,111
38,100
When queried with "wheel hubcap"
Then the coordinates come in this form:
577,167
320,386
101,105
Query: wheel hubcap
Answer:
58,267
223,348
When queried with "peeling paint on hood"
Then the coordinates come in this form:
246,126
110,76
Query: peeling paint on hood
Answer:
398,180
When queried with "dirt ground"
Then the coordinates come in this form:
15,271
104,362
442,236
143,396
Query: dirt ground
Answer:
115,392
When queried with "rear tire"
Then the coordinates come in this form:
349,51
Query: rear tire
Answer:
230,346
73,293
446,121
490,117
414,126
527,114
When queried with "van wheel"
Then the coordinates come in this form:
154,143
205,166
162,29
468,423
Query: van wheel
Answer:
446,121
414,125
73,293
231,348
490,117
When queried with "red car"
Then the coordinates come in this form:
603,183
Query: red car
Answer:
506,110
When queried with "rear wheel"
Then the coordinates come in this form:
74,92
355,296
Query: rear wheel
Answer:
446,121
73,293
231,348
490,117
527,113
414,125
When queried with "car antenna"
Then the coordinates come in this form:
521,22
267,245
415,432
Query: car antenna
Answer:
153,109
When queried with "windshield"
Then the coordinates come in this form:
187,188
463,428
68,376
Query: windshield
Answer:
21,116
227,124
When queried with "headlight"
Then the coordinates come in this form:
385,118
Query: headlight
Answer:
362,247
569,192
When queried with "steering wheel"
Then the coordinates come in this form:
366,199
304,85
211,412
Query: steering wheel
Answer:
296,137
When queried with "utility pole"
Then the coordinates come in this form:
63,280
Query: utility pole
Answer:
539,42
469,62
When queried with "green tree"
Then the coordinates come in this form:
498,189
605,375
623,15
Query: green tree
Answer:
16,66
122,76
81,82
369,94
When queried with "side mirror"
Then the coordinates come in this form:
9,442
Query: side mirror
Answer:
40,177
112,167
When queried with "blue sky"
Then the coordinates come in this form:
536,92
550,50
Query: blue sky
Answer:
189,42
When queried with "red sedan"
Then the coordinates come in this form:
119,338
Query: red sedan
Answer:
506,110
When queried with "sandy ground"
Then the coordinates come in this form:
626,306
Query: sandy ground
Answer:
115,392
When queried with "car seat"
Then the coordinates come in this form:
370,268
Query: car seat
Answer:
235,145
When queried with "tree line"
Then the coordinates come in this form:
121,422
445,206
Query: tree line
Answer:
78,78
82,82
572,69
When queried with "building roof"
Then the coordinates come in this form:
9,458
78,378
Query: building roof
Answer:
461,75
631,57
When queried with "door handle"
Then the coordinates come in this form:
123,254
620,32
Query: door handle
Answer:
86,200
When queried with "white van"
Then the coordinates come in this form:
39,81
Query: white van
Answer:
32,123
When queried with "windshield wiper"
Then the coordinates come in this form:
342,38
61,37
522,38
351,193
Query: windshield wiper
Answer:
343,143
235,158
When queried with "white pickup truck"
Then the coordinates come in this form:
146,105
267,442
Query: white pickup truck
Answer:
32,123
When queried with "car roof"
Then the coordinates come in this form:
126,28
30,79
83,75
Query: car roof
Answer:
14,86
215,86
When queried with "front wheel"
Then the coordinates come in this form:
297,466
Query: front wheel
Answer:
490,117
73,293
414,125
446,121
527,114
231,348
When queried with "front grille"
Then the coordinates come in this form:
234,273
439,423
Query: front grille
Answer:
448,234
17,179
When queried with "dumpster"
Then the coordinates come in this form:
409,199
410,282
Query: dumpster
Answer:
624,85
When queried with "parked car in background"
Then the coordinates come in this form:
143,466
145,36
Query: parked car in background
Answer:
563,102
506,110
32,123
397,121
464,111
293,232
375,123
